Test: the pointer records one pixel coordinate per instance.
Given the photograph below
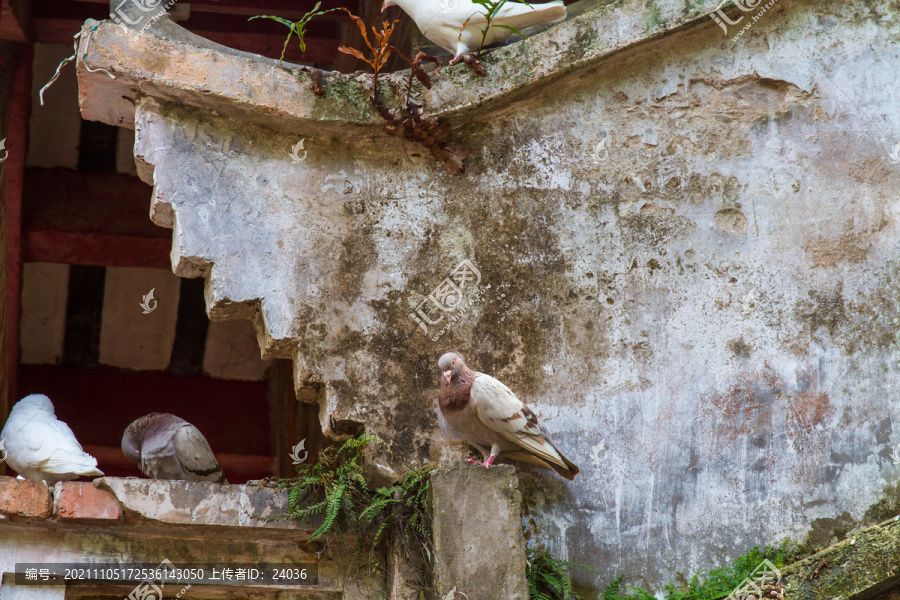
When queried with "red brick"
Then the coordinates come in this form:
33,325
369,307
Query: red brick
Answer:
81,500
24,498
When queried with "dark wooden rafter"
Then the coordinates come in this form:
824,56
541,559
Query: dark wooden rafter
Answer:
226,23
91,218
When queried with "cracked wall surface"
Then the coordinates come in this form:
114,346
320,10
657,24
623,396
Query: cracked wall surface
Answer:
687,251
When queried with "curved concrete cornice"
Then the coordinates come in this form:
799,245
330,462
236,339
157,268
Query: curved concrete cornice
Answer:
171,64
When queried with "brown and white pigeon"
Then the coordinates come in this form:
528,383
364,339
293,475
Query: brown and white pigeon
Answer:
41,447
458,25
168,447
490,417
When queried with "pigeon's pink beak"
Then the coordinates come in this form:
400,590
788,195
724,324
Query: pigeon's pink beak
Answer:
383,6
448,375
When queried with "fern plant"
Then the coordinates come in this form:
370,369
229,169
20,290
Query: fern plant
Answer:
335,491
548,577
712,585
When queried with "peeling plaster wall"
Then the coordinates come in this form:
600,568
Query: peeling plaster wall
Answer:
689,270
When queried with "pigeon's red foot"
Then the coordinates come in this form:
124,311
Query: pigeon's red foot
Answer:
490,461
486,464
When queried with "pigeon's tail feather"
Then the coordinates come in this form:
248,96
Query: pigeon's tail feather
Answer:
521,16
84,465
570,470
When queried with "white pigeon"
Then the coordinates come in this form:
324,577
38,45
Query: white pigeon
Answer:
168,447
41,447
460,29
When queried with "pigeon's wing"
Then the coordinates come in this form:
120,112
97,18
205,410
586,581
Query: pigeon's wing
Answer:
520,16
501,411
195,455
53,449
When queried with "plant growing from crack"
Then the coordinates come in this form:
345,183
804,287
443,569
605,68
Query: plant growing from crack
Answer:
548,578
297,28
334,490
492,9
411,122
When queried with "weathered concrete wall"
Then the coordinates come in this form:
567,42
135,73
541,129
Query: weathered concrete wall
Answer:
687,248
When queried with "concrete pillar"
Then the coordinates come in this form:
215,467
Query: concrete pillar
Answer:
479,547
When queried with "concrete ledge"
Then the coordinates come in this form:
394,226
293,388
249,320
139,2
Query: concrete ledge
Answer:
863,566
196,503
24,498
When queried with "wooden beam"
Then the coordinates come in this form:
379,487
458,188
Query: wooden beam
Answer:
318,50
289,9
97,249
88,202
15,69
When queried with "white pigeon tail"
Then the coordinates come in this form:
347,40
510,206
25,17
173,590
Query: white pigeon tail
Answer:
460,30
41,447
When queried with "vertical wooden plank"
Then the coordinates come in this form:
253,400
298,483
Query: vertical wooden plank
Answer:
293,417
15,104
190,330
281,415
84,316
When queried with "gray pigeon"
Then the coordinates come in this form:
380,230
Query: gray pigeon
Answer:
490,417
41,447
458,28
168,447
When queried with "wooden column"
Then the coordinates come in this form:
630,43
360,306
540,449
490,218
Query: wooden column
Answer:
292,419
15,101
